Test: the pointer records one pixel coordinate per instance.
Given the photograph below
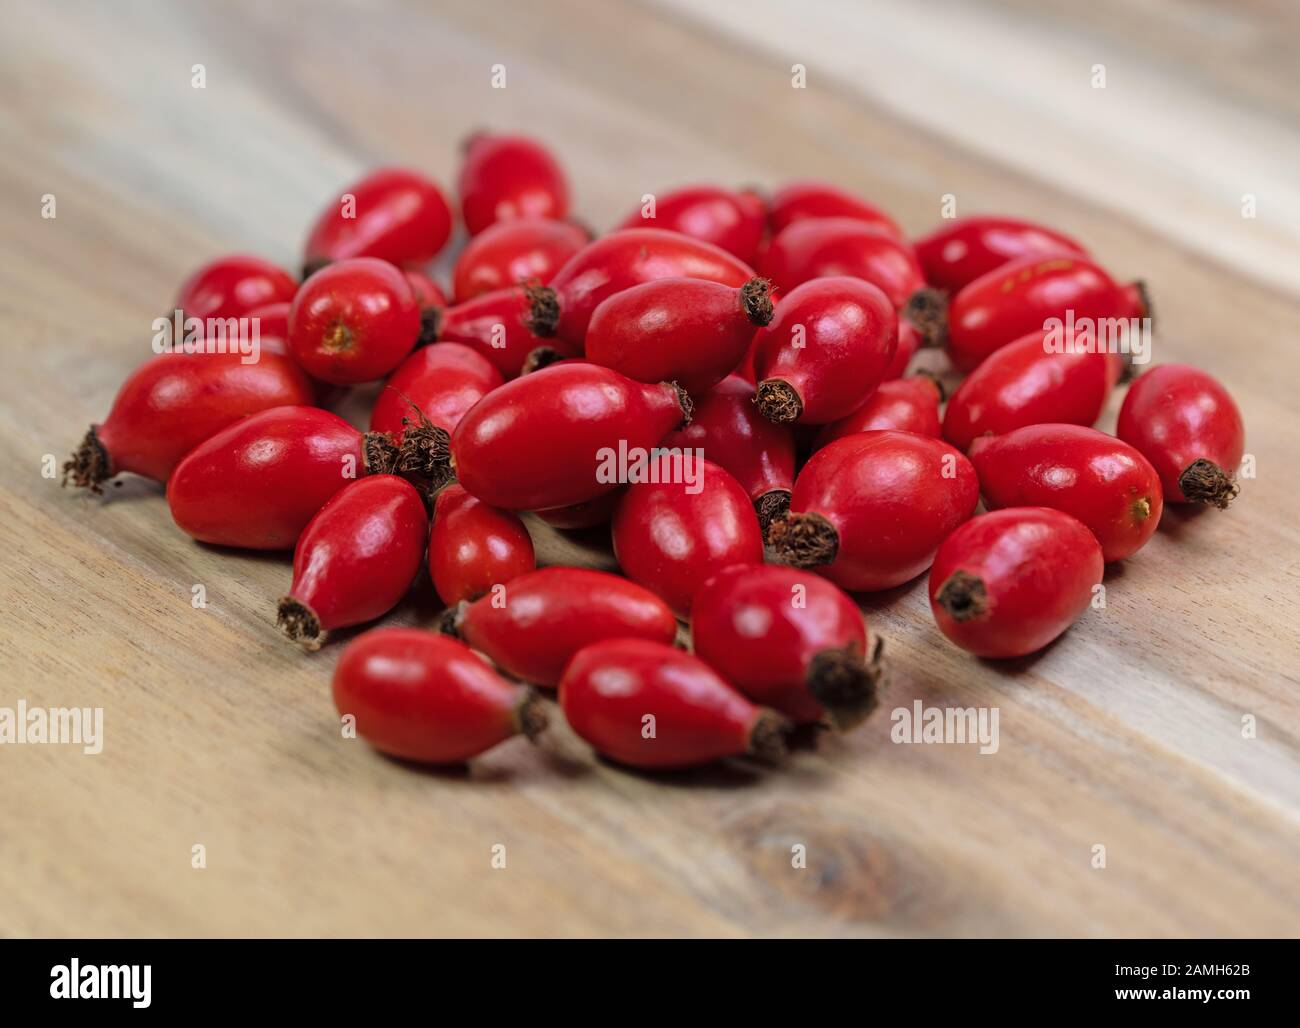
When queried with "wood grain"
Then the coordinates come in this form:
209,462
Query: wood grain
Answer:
1126,733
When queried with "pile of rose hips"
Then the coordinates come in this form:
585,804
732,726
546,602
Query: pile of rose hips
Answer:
771,335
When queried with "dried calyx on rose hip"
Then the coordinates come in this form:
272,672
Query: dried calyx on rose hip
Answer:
542,618
421,696
791,640
646,704
355,560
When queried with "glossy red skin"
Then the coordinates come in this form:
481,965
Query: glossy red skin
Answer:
272,327
422,696
684,330
807,199
473,547
371,304
747,627
673,541
609,688
534,443
886,494
629,257
444,381
494,318
511,252
258,482
427,292
958,252
850,334
401,217
503,178
1024,383
906,404
1176,414
732,220
358,556
1022,295
1094,477
1039,567
824,247
175,401
230,287
727,426
551,614
588,514
909,341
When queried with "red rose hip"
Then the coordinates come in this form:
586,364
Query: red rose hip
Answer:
507,177
473,547
175,401
511,252
689,331
731,220
546,616
421,696
810,199
869,510
729,431
355,560
672,536
496,325
790,640
1098,479
958,252
905,404
353,321
1007,583
648,705
1184,422
394,214
257,483
231,287
824,352
548,439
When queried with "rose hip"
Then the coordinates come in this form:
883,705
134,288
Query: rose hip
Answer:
175,401
684,330
731,220
646,704
505,177
355,560
427,292
543,440
1007,583
422,696
958,252
230,287
790,640
353,321
473,547
424,399
512,252
824,352
809,199
1185,423
760,454
672,536
1027,383
496,325
905,404
1098,479
870,510
258,482
619,261
589,514
1021,297
547,616
395,214
824,247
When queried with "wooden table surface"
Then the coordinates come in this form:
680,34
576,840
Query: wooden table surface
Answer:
1127,734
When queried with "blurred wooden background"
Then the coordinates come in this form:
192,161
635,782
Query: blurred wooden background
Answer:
1126,734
